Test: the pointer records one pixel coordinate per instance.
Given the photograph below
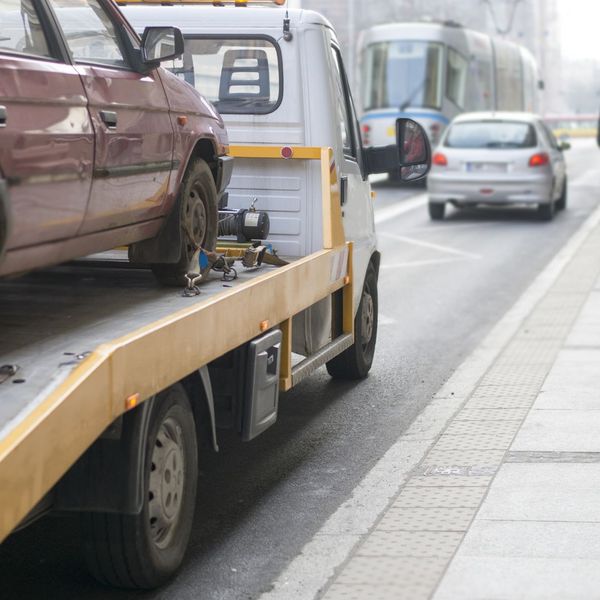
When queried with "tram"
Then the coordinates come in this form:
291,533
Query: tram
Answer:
431,72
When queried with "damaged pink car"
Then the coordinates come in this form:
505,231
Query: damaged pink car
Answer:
99,146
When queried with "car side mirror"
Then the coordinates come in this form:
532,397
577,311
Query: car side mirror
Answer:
160,44
564,146
411,153
414,150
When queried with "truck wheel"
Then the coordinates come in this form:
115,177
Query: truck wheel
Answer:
356,361
145,550
198,219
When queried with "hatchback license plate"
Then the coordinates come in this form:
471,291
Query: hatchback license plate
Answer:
485,167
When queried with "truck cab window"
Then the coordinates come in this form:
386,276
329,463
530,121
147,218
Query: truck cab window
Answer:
345,117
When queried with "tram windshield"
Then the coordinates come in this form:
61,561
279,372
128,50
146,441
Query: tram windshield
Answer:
402,73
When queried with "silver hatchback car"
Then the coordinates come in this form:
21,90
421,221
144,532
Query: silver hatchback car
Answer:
498,158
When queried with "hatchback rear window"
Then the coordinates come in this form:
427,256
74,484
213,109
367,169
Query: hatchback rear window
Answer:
491,134
238,75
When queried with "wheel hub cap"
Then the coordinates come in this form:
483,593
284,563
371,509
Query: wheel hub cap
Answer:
167,473
367,317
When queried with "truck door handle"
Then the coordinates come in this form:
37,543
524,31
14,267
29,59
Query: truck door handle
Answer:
2,116
343,190
109,117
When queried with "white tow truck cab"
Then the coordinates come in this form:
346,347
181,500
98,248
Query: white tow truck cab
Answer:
277,77
102,407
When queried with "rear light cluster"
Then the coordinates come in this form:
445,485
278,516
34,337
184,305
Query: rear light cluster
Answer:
439,159
366,137
539,160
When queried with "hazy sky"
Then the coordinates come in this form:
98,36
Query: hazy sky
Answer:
580,23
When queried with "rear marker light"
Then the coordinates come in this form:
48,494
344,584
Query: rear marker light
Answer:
287,152
539,160
440,160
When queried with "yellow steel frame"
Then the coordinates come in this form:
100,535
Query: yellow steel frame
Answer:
40,448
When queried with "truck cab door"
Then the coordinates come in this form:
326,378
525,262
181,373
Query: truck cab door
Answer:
355,190
130,113
46,136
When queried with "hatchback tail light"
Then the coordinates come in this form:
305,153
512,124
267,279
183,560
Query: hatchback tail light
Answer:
366,138
440,159
539,160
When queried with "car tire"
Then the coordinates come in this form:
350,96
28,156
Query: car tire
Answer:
436,211
561,203
198,217
355,362
145,550
546,211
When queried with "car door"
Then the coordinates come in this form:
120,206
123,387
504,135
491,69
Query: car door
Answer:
357,206
46,135
130,114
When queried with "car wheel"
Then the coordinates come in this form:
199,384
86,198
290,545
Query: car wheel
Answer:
546,211
561,203
145,550
198,223
437,210
356,361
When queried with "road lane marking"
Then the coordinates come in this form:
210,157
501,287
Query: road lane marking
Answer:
307,575
383,320
391,212
420,263
430,245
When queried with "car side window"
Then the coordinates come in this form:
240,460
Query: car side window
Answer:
344,107
89,32
21,29
549,135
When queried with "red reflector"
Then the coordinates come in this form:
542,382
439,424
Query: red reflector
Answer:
287,152
539,160
440,159
366,128
486,191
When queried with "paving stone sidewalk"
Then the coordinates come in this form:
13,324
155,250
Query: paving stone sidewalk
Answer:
506,504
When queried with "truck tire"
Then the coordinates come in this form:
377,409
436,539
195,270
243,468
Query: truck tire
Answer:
145,550
198,217
356,361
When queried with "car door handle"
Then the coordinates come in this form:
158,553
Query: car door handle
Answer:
2,116
343,190
109,118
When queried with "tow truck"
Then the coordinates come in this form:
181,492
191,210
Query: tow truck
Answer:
110,385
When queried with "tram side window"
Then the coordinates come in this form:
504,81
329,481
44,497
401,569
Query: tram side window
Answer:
456,78
480,90
509,78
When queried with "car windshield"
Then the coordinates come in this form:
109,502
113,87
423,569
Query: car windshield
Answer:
402,74
241,76
491,134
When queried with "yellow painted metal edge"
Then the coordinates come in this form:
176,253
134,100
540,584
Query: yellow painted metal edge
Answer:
298,152
36,453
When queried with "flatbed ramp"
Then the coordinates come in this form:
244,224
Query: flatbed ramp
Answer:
92,342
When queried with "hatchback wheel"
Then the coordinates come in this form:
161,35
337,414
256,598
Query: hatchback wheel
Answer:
546,211
436,211
561,203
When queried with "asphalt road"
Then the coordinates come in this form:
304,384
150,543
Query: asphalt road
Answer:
442,287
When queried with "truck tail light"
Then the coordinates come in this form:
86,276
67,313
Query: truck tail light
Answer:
539,160
440,159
